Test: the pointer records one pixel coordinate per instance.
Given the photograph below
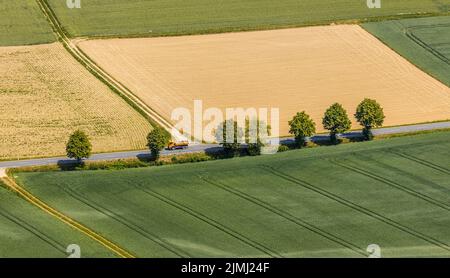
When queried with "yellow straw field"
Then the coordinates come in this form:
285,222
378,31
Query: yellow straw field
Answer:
45,95
293,69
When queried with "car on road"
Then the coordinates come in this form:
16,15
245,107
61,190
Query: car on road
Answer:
177,145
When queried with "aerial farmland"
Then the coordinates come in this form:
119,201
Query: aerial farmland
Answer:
423,41
301,214
92,164
293,69
46,94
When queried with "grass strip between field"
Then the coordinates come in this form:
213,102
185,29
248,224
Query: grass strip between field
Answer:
153,117
69,221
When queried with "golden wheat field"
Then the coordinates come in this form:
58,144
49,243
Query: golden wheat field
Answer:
45,95
293,69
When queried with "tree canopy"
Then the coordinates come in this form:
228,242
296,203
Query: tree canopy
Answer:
157,140
369,114
336,120
302,126
78,146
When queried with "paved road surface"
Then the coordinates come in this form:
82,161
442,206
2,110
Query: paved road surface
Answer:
213,147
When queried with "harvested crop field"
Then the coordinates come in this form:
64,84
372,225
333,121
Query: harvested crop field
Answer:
45,95
294,69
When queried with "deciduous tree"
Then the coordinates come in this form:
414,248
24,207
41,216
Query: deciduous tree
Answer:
256,135
336,121
302,126
157,139
78,146
231,143
369,114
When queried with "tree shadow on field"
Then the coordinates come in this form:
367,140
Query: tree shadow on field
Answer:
325,140
69,164
215,152
220,153
145,157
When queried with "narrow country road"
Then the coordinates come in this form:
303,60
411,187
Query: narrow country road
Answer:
150,113
214,147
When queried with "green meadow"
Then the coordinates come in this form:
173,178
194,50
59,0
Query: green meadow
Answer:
28,232
320,202
181,17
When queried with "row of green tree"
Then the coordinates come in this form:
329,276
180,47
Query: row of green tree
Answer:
369,114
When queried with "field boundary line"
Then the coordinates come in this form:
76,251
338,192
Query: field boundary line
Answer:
423,44
396,185
210,222
126,223
288,216
99,73
33,230
357,207
67,220
263,27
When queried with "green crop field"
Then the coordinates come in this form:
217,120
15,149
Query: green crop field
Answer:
175,17
23,23
423,41
320,202
28,232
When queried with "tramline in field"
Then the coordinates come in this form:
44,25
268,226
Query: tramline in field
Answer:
321,202
106,79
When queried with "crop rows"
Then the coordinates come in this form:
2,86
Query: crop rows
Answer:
46,95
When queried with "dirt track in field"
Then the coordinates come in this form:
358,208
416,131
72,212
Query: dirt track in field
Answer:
45,95
293,69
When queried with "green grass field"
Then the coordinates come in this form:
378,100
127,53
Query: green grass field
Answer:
425,42
23,23
176,17
30,233
321,202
